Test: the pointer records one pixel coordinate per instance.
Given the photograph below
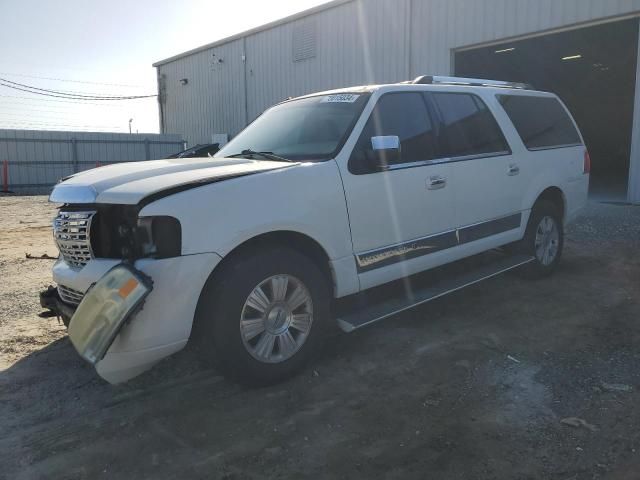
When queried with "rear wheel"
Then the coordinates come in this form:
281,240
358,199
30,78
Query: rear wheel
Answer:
544,240
264,315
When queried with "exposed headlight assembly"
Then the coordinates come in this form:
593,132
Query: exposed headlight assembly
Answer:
118,232
105,309
159,237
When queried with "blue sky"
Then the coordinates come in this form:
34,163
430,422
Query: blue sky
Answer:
107,48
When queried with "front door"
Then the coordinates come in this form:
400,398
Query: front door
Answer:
404,212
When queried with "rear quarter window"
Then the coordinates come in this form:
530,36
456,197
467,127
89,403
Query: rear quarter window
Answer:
541,122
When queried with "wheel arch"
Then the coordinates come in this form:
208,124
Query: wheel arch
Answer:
297,241
300,242
556,196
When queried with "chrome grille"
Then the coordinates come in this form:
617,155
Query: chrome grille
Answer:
69,295
71,233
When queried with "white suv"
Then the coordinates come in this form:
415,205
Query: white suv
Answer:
322,197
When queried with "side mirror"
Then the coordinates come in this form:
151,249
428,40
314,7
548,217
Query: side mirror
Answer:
384,151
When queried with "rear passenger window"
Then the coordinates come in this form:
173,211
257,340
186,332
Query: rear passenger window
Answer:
398,114
468,127
542,122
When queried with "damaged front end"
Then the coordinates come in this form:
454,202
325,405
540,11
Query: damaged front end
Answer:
105,309
56,307
115,233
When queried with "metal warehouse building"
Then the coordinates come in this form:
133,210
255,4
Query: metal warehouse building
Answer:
586,51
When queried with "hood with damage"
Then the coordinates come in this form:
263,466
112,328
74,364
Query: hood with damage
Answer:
130,183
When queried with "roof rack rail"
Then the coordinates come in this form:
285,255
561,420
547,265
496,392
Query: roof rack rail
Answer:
473,82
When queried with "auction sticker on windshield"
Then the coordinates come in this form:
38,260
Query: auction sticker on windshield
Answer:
341,98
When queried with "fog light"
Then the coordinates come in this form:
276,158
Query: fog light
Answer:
105,309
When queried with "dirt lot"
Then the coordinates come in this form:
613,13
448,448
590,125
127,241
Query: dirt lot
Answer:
473,386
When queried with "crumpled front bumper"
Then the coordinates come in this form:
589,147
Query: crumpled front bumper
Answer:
162,327
50,299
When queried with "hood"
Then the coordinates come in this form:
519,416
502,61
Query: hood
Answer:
130,183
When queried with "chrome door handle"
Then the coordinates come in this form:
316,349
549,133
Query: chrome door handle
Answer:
436,183
513,170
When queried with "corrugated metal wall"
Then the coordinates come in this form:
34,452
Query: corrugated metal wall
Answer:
350,51
213,99
36,160
357,42
440,26
360,42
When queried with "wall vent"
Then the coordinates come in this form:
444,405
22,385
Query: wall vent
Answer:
304,40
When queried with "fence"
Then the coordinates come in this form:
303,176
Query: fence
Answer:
33,161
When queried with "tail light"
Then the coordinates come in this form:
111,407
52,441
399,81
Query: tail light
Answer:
587,162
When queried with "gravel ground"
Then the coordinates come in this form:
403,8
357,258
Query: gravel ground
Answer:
474,385
25,223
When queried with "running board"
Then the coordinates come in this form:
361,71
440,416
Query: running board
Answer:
358,315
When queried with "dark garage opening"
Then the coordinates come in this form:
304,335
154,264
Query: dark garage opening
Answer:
593,70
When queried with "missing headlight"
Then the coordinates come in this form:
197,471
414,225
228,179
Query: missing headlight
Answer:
118,232
159,237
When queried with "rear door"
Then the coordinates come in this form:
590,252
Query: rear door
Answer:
489,180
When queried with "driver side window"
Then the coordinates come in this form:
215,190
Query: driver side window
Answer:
402,114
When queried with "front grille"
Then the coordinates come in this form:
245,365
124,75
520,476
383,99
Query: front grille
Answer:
71,233
69,295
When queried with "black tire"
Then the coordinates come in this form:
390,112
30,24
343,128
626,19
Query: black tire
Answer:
222,305
540,267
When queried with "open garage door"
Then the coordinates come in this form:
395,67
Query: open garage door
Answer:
593,70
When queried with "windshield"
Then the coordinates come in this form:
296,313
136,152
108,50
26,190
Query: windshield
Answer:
313,128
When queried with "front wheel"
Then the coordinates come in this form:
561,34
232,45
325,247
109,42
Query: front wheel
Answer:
544,240
264,315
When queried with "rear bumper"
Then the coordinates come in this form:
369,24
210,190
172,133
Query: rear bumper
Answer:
163,326
576,195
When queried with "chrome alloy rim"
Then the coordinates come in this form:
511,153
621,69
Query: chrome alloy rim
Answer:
547,241
276,319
